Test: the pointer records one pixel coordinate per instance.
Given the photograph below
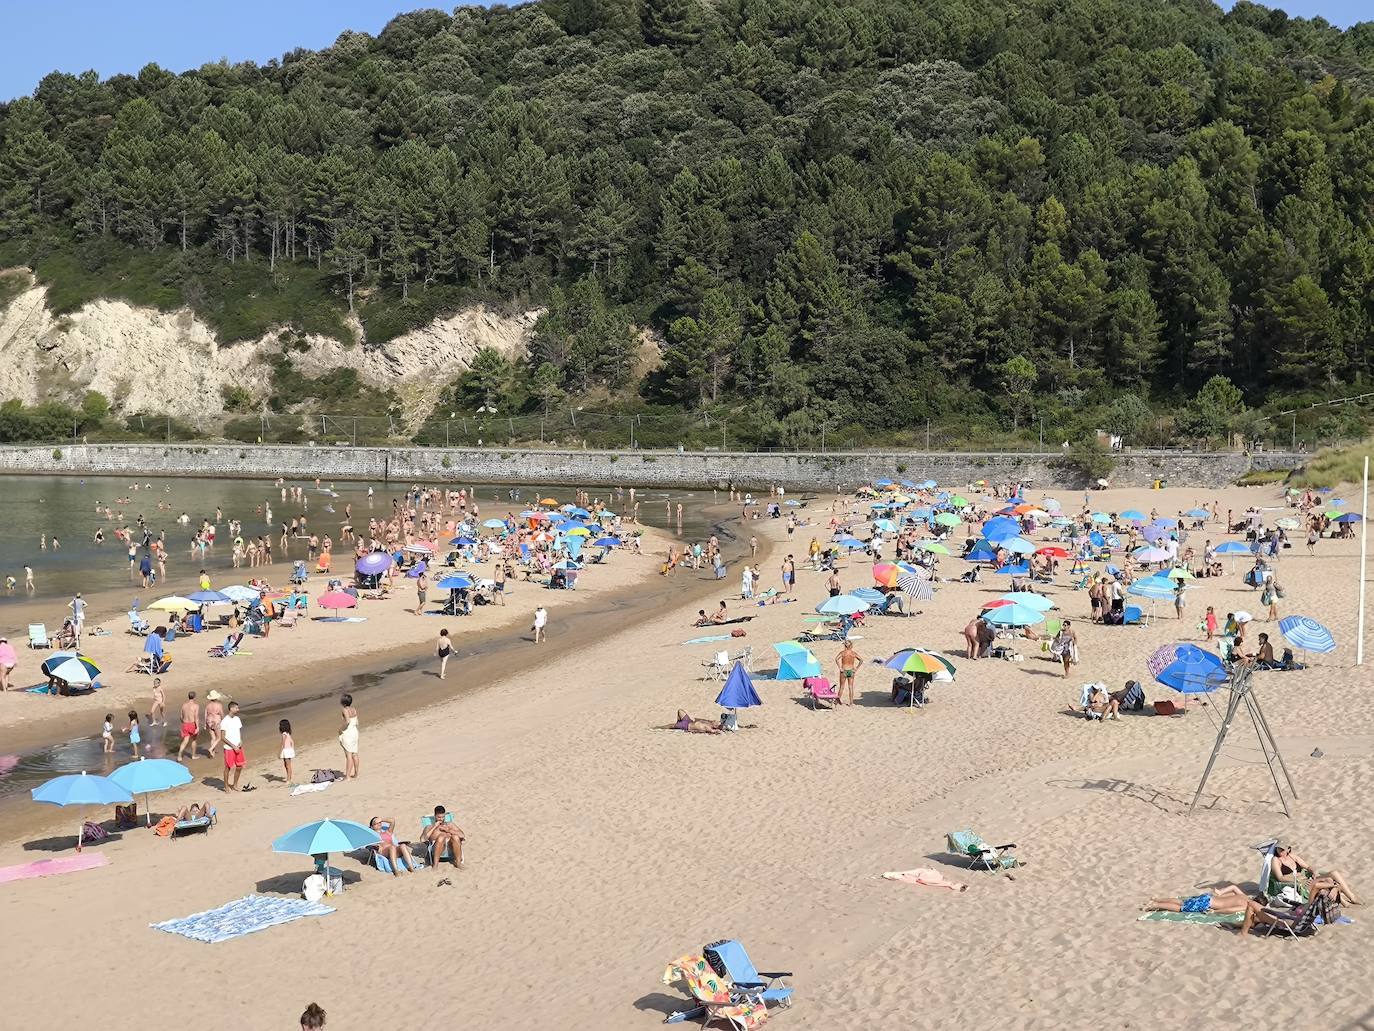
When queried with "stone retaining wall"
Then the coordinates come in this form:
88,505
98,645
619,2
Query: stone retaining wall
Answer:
796,471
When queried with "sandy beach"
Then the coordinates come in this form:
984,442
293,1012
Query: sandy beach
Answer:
599,847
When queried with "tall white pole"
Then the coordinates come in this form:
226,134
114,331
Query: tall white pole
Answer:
1364,542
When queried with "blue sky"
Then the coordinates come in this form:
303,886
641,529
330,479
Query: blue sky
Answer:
115,36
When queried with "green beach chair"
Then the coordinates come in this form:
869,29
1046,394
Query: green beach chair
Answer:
979,853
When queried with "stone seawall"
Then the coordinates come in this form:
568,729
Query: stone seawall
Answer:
703,469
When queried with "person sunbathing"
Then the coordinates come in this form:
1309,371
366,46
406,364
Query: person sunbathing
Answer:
396,852
194,811
444,834
1105,705
1226,898
685,722
1286,868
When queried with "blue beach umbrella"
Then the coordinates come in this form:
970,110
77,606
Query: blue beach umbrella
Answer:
1097,540
983,551
1197,513
907,484
1233,548
80,789
495,524
210,597
1032,601
607,542
882,483
1349,517
461,542
325,836
1188,669
869,594
884,526
1156,588
920,515
1133,515
144,776
1014,569
738,692
852,543
842,605
1015,615
1017,545
455,582
998,527
414,571
1100,517
1306,633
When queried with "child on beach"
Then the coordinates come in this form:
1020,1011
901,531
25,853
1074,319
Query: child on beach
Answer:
157,716
1211,622
288,748
132,730
107,733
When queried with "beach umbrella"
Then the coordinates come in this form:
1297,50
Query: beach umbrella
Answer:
607,542
919,515
916,586
1197,513
419,548
738,692
578,531
1287,524
495,524
916,660
1233,548
454,582
934,547
325,836
209,597
567,564
373,563
548,501
884,526
81,789
1061,521
886,573
71,667
1017,545
983,551
144,776
1032,601
869,594
1015,615
461,542
882,483
999,527
795,662
174,603
842,605
1014,569
1154,534
1156,588
1337,501
1179,573
581,513
948,519
1133,515
1306,633
337,600
1188,669
1349,517
959,501
1051,504
852,543
416,570
1241,616
1053,551
1148,555
1100,517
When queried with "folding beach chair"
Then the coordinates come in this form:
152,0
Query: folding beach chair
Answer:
746,656
980,854
200,825
718,998
730,959
137,625
1298,922
821,690
425,823
718,667
38,636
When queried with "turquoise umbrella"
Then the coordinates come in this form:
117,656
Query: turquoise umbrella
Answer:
1015,615
325,836
80,789
795,662
842,605
145,776
1038,602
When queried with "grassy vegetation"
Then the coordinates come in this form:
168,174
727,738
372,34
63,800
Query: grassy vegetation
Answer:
11,286
1263,477
385,316
1334,466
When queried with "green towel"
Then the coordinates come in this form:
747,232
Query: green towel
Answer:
1195,918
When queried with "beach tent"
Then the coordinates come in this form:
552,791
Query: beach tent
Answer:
795,661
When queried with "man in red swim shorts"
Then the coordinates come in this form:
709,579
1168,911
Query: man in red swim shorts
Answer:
190,724
231,726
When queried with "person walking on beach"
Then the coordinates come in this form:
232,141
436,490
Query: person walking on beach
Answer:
78,607
541,620
445,649
848,662
190,725
348,737
1065,646
231,726
1178,600
421,590
1269,598
753,547
499,584
28,578
135,737
9,658
214,714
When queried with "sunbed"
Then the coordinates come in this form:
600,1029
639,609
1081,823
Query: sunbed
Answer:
819,689
201,824
980,854
38,636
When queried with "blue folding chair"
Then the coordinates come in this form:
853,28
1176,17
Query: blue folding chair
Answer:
740,969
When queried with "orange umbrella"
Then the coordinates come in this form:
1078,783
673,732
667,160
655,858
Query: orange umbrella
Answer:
885,574
548,501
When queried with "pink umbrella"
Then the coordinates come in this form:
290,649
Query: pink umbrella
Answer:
337,600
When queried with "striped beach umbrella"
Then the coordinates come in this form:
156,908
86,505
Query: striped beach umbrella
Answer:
1306,633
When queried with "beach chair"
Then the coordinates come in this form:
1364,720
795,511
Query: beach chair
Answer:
200,825
819,689
333,878
137,625
1083,697
713,993
1132,616
425,823
730,958
1298,922
382,863
980,854
298,573
38,636
288,616
718,667
746,656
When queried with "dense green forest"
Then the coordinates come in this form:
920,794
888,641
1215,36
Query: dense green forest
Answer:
1144,216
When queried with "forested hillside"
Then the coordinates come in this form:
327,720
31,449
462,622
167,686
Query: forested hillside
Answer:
856,215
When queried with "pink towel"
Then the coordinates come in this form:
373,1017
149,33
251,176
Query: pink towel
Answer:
930,878
48,867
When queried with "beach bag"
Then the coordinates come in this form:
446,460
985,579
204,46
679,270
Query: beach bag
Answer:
92,832
729,721
737,632
326,776
1134,699
312,890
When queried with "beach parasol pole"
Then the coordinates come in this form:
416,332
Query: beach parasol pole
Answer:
1364,538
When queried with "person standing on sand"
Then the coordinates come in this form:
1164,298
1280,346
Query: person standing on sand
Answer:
848,662
190,724
421,590
445,649
348,737
753,547
541,620
789,574
1065,646
157,712
232,727
78,607
9,658
214,714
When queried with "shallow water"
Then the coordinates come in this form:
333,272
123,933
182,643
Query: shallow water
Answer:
65,507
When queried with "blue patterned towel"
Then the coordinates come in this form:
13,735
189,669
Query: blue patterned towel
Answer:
242,916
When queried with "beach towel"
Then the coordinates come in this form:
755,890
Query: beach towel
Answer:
303,789
242,916
705,640
1194,918
49,867
928,878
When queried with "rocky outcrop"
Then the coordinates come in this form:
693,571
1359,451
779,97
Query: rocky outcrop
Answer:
149,361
